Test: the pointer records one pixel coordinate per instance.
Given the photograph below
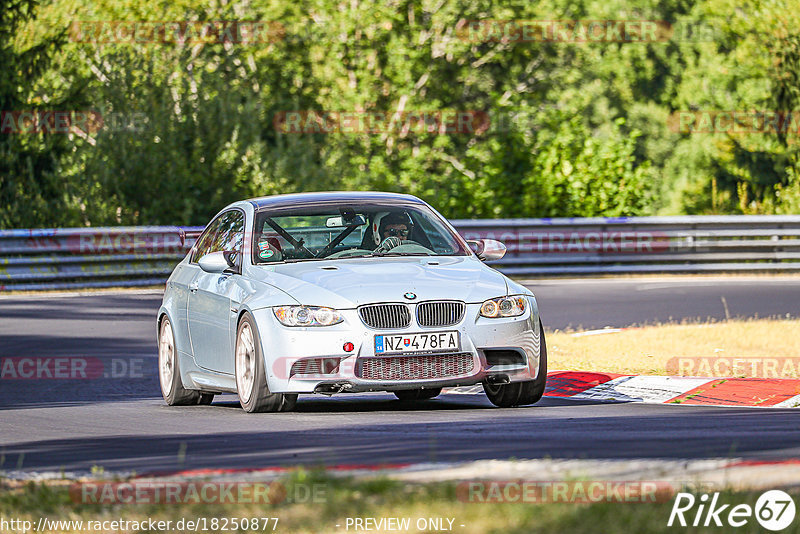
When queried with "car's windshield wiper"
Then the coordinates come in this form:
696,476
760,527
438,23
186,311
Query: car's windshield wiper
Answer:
402,254
371,254
356,256
296,260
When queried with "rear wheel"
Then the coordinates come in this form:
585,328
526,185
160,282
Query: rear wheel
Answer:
251,379
417,394
521,393
169,372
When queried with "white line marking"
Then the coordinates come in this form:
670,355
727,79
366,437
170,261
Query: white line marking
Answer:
597,332
652,389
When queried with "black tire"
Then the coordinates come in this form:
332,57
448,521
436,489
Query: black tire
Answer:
407,395
521,393
169,372
205,399
251,379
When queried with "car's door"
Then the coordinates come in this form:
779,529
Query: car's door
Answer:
178,291
209,309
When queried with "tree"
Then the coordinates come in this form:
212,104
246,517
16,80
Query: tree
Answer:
31,191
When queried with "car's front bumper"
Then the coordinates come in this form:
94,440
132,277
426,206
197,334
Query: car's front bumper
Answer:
283,347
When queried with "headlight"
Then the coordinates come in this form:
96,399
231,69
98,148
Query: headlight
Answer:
307,315
504,307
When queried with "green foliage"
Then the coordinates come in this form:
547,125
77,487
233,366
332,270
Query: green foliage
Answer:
576,129
587,176
752,65
31,192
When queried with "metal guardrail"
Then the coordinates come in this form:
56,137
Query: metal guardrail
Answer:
688,244
69,258
144,256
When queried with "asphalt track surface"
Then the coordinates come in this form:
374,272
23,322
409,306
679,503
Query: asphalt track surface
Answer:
118,420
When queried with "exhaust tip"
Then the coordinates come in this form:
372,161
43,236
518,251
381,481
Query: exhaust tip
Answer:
498,379
333,388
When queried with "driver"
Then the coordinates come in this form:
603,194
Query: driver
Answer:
392,230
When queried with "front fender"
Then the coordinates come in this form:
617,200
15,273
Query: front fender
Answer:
515,288
256,295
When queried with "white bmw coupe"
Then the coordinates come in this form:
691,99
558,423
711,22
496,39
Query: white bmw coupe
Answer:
344,292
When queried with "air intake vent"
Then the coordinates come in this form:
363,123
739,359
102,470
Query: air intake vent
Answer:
441,313
385,316
315,367
424,367
504,357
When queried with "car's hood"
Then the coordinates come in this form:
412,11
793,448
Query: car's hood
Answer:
347,283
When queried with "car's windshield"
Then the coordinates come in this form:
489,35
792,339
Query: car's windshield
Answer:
347,230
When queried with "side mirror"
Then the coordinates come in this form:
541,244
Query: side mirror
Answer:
218,262
487,249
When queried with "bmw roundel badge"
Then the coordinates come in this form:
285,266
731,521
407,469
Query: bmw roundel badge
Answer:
410,296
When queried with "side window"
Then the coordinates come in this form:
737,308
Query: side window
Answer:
225,233
204,242
231,232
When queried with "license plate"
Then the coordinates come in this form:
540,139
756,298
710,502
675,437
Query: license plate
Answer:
421,342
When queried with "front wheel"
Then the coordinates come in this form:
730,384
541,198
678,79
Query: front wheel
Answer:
169,373
521,393
251,379
407,395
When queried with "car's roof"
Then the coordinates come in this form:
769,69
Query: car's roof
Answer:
305,199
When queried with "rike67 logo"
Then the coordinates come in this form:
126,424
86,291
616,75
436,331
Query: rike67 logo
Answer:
774,510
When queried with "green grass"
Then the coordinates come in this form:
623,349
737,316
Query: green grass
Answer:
380,497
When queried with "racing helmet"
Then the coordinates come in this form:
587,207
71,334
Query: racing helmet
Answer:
383,219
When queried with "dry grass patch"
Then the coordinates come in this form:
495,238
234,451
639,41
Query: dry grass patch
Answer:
647,350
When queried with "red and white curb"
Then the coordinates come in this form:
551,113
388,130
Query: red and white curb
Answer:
581,385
